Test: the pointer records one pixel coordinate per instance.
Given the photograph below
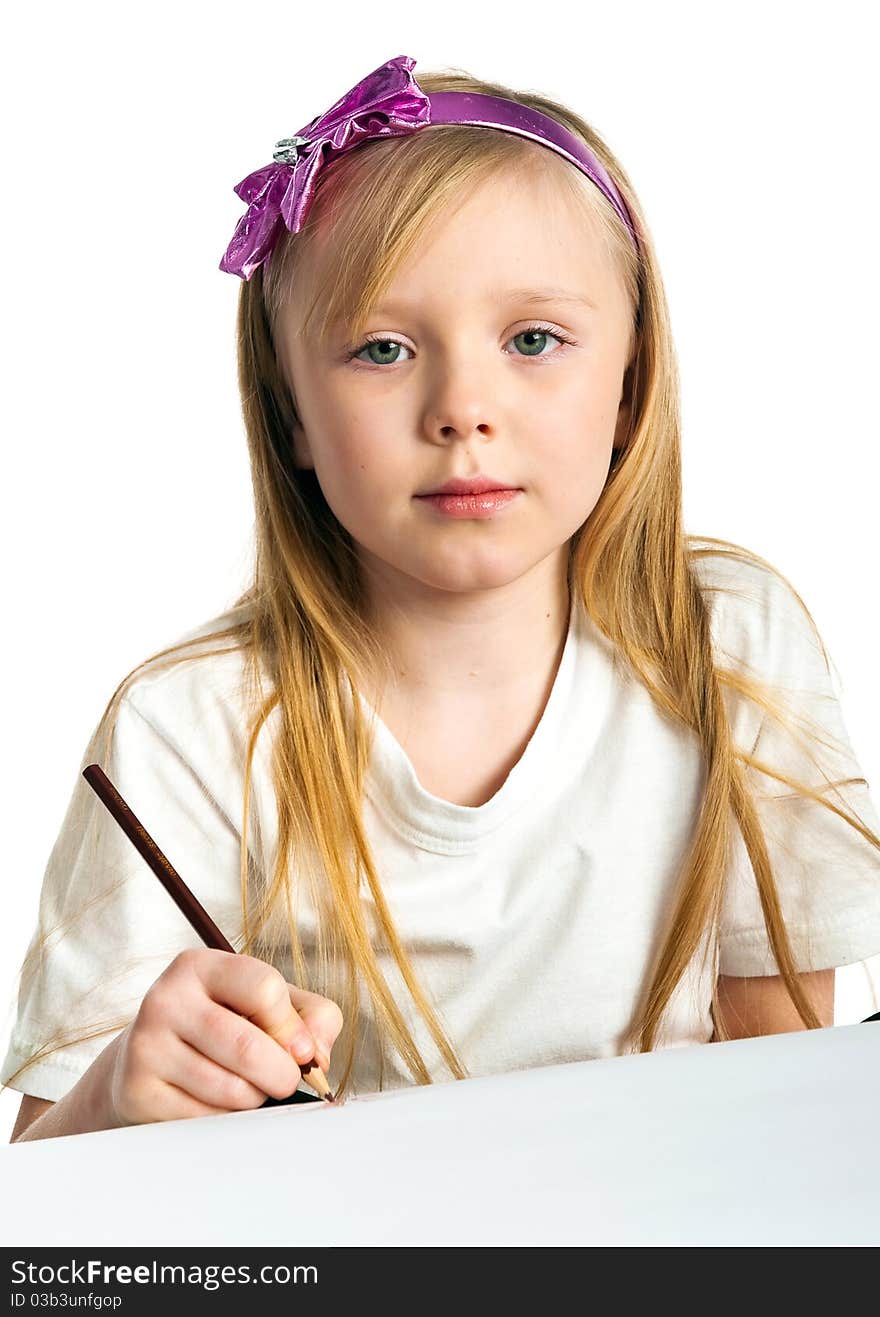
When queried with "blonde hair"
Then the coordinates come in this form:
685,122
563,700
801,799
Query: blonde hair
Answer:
631,566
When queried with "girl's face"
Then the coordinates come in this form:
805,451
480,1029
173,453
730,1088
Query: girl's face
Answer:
499,350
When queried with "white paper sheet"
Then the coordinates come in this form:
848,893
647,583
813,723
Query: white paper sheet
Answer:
757,1141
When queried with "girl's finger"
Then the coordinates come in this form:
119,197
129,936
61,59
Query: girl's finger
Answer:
168,1102
240,1047
255,990
322,1017
206,1082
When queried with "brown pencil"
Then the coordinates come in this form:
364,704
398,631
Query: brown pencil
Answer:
177,889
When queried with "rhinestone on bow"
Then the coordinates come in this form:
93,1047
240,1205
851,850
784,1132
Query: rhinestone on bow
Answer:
287,150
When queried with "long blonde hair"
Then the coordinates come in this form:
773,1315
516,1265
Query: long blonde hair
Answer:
301,620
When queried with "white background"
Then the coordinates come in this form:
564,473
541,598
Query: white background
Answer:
749,132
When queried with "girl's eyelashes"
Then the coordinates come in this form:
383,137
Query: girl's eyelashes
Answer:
542,331
387,344
532,349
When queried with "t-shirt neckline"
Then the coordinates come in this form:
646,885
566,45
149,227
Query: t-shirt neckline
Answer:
435,824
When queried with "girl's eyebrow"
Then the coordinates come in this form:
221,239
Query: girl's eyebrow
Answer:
541,295
535,296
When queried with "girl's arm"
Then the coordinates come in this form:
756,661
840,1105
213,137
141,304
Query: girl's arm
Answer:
754,1006
82,1110
30,1109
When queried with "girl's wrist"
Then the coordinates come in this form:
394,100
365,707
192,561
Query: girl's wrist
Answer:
98,1105
85,1108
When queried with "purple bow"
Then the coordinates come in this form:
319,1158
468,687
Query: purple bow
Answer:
386,103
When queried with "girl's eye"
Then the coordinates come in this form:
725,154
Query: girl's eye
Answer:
386,348
533,340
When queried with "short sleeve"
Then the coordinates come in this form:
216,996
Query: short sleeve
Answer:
826,872
108,926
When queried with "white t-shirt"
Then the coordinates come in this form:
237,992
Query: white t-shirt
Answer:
532,919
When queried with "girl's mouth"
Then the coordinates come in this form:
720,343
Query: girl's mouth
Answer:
471,505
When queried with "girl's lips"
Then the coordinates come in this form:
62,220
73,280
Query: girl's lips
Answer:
471,505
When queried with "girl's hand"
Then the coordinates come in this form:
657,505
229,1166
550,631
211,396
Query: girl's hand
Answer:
216,1032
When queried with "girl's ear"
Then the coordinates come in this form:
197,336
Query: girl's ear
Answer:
624,411
289,410
302,453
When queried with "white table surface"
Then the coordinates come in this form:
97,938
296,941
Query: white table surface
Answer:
767,1141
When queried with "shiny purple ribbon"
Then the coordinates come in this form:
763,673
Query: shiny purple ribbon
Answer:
387,103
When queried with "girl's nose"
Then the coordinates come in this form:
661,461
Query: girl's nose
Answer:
459,406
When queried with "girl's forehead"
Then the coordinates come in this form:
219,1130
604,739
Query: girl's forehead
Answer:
524,234
502,213
526,208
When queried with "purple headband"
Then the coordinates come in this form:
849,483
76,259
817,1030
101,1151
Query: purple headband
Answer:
387,103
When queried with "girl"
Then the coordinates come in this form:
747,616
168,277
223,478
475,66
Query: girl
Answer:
492,766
